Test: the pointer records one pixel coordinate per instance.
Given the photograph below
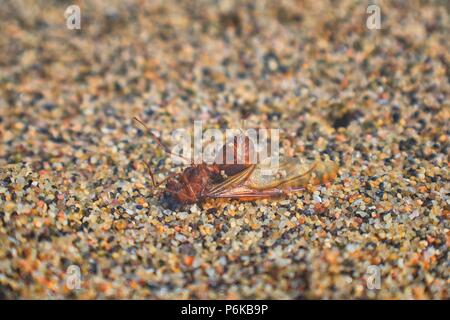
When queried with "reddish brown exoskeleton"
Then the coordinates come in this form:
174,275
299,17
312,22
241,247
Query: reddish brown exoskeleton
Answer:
240,180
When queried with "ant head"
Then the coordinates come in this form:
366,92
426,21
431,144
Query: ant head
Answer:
170,201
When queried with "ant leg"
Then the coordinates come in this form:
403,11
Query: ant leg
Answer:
152,176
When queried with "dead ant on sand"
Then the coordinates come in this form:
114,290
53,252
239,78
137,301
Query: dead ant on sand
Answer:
242,180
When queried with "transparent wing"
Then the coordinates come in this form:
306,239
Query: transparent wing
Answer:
291,174
271,179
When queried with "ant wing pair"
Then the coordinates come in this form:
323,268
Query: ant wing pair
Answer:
272,180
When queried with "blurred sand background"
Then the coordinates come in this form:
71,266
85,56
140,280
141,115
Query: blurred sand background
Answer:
74,192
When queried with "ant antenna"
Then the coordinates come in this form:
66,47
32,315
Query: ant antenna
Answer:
158,141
